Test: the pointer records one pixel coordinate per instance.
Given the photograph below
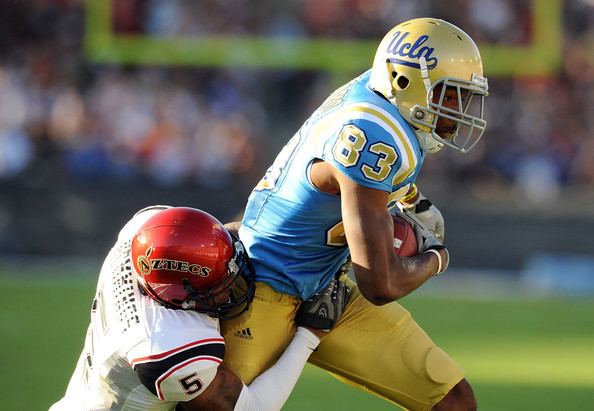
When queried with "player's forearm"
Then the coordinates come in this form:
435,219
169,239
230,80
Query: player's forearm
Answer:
382,275
270,390
412,272
404,276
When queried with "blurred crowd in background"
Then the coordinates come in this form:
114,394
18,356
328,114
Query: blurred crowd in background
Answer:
65,118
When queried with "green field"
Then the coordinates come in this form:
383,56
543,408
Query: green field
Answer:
519,354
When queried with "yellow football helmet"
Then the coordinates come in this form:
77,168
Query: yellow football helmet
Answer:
418,67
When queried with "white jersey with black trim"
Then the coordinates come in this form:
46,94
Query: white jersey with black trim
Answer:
139,355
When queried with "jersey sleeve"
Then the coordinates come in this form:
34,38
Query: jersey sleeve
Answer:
183,372
365,152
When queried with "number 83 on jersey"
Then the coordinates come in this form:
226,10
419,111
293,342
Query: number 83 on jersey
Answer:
351,142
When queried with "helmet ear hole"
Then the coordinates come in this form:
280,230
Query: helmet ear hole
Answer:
402,82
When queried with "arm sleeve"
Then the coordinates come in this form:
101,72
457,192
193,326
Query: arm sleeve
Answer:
270,390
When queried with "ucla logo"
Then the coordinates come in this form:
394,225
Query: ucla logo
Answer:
399,46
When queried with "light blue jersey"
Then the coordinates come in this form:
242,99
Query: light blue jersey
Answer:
292,231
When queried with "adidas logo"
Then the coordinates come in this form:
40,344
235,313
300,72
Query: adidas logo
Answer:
245,334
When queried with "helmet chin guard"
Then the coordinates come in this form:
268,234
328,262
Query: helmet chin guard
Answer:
470,124
239,285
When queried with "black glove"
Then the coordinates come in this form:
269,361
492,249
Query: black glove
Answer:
323,310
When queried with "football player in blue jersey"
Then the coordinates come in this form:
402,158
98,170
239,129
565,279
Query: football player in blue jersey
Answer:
335,183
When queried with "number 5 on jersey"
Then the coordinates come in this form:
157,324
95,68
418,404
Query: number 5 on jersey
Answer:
351,142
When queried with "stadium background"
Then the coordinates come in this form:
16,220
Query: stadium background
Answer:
109,106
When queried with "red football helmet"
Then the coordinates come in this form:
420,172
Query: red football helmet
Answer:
184,258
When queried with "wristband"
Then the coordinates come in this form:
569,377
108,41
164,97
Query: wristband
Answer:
410,195
439,259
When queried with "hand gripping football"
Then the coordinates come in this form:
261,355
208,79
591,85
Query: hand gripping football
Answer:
405,240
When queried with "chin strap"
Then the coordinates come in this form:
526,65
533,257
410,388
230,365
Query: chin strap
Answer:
189,303
425,76
427,142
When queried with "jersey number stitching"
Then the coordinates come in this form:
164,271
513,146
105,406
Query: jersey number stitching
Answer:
351,142
191,384
335,235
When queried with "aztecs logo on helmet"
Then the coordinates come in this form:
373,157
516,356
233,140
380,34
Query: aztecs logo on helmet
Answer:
146,265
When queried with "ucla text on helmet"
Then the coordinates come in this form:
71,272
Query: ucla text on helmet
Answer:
413,51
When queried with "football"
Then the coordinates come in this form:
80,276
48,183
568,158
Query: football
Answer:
405,241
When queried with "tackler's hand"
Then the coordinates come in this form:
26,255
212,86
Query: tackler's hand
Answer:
322,310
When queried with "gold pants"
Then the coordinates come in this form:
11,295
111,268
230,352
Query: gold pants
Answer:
381,349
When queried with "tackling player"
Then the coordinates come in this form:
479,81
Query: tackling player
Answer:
154,340
357,156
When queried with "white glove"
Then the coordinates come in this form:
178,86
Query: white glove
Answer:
428,214
425,238
427,241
